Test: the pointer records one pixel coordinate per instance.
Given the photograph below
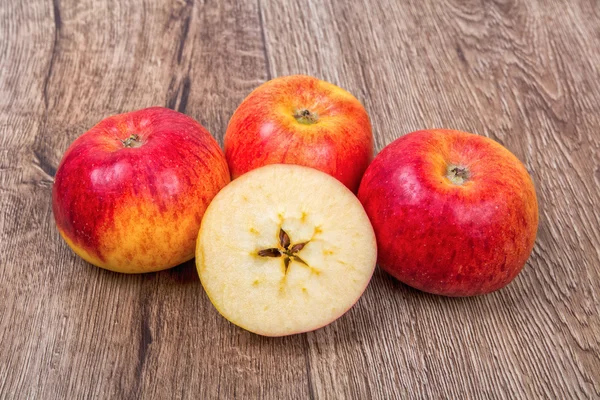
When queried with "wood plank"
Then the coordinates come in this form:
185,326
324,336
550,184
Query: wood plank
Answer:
521,73
26,33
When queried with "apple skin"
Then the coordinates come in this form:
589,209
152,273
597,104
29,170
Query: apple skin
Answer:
446,238
334,138
137,209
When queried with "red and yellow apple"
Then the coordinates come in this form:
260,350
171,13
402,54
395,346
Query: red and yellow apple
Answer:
130,193
454,213
301,120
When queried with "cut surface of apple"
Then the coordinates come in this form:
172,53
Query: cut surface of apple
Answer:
285,249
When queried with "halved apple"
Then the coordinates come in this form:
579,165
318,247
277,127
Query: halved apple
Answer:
285,249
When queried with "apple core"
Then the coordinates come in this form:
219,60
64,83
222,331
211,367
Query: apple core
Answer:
286,250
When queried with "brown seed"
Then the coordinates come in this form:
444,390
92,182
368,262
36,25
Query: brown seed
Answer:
269,253
300,260
284,239
286,262
298,247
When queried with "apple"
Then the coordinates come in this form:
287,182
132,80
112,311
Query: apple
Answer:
454,213
130,193
301,120
285,249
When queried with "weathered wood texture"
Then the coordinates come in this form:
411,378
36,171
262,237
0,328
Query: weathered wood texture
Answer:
523,72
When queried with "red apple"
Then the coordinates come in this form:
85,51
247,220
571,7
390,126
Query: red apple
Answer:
301,120
454,213
130,193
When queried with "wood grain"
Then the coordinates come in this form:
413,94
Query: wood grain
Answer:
522,72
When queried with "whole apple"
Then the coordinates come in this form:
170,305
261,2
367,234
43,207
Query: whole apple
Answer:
454,213
130,193
301,120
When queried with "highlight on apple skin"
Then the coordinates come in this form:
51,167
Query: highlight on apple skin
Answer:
454,213
285,249
130,193
301,120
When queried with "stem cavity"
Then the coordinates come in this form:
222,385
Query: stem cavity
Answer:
458,174
306,117
132,141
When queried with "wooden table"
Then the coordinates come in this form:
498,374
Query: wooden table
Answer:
525,73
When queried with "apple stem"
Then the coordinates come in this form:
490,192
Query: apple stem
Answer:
132,141
457,174
306,117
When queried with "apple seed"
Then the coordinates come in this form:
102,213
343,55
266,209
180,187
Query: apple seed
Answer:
300,260
284,239
269,253
297,247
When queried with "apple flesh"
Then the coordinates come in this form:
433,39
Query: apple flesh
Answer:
285,249
130,193
301,120
454,213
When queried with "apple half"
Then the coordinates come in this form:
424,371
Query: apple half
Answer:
285,249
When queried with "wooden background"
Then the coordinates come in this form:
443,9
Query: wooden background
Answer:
524,72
